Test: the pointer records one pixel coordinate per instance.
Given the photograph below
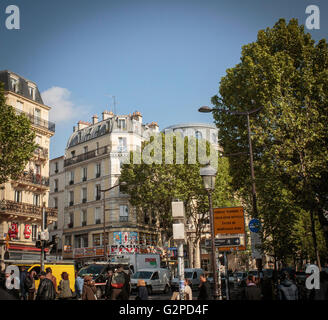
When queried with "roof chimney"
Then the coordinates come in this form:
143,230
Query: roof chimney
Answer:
94,119
107,114
82,124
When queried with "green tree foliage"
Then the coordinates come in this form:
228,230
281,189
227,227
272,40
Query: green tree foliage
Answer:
16,141
153,187
286,73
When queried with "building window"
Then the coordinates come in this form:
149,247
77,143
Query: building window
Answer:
34,232
56,203
71,177
122,145
98,170
122,124
97,240
81,241
84,174
14,84
31,92
83,218
36,200
198,135
71,198
19,106
18,196
56,167
84,195
85,149
124,213
97,192
56,185
97,216
73,153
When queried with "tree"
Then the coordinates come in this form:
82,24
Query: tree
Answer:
16,141
153,186
286,73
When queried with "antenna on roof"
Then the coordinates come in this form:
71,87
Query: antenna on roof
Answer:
114,102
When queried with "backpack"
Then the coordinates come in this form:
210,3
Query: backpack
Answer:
118,280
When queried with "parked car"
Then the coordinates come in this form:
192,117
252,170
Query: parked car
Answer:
157,280
192,274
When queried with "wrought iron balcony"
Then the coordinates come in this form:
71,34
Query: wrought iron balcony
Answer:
32,178
25,209
86,156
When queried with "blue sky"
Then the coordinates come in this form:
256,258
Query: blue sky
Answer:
162,58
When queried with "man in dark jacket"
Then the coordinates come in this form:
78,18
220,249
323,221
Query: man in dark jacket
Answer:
252,291
108,288
204,289
46,290
287,290
22,277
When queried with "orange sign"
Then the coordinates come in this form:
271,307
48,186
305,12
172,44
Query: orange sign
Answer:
229,220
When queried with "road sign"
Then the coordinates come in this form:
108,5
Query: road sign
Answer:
254,225
227,242
229,220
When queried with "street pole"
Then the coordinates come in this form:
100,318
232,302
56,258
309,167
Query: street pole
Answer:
104,227
214,265
42,242
220,282
181,270
226,274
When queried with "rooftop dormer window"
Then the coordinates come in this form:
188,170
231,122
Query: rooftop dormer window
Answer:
31,92
14,84
122,124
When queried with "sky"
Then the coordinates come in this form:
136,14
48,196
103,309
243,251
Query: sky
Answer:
164,58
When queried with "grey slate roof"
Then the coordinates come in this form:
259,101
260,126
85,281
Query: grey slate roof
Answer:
22,85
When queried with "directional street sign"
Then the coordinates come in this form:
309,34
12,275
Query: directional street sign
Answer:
227,242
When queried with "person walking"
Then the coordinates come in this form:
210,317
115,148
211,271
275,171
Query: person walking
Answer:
252,291
125,293
187,290
51,277
65,292
108,285
46,290
22,277
142,290
117,283
89,289
287,289
30,285
204,288
78,285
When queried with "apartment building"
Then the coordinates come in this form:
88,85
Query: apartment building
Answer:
21,200
93,158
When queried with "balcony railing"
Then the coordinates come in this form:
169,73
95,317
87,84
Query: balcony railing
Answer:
30,177
86,156
38,122
42,152
25,209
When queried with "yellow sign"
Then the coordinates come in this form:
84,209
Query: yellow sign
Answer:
229,220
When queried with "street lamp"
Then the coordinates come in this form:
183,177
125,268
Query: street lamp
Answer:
206,109
123,183
208,175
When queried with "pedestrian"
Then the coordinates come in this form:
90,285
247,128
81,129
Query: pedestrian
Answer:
252,291
89,289
117,283
142,290
125,293
287,290
46,290
204,288
78,285
30,285
22,277
51,277
187,290
12,284
65,292
108,285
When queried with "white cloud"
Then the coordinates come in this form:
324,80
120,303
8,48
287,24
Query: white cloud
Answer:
59,99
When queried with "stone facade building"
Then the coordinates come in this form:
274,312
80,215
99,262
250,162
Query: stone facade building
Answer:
21,200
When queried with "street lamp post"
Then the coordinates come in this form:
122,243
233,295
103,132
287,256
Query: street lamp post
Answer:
104,217
206,109
208,175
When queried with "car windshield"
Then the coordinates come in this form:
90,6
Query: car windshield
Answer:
188,275
142,275
93,270
240,274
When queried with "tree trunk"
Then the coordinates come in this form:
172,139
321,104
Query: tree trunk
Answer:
197,263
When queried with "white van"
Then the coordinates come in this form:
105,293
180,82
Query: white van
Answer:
192,274
157,280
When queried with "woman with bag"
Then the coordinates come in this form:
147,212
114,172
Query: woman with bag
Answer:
65,292
89,289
